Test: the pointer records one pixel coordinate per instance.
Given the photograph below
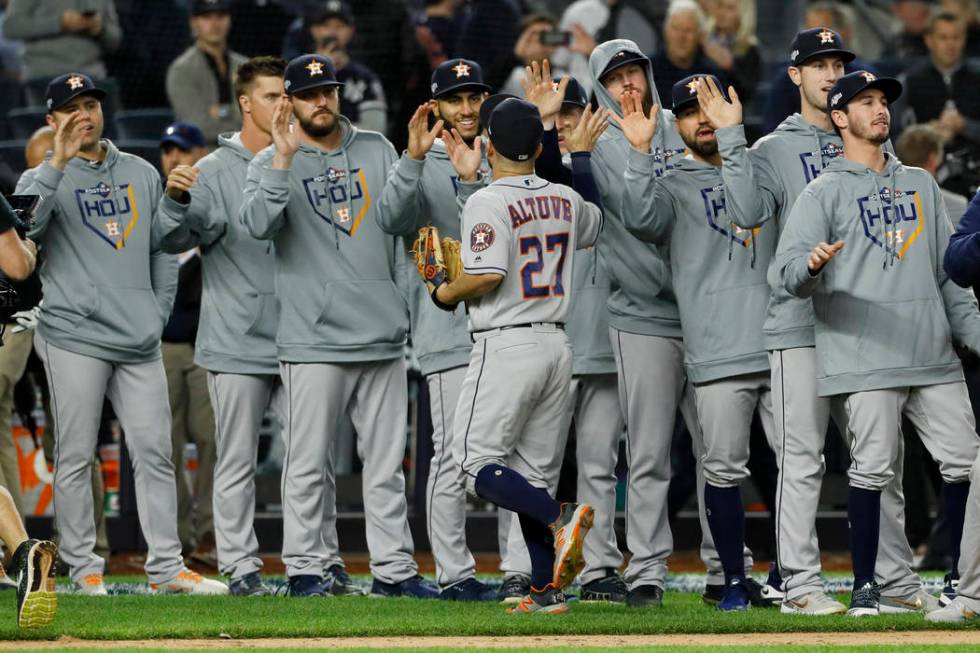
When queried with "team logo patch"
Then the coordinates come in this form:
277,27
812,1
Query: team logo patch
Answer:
461,70
826,36
692,86
75,82
315,68
481,237
895,217
868,77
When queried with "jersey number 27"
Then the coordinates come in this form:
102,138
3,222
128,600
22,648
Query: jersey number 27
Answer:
535,250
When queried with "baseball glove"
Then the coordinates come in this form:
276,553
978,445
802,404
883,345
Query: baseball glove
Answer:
438,261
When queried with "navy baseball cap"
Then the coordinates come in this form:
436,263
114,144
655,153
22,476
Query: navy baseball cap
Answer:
309,71
489,105
815,42
201,7
853,83
455,74
324,11
65,88
685,91
515,129
575,94
185,135
622,58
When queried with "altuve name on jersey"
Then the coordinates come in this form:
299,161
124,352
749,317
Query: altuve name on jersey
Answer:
540,207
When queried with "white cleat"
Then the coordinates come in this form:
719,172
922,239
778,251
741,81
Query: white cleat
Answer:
954,613
190,582
91,585
918,601
815,604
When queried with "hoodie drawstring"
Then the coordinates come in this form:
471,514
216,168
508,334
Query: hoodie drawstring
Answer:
885,231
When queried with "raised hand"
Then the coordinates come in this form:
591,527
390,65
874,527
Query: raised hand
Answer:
541,92
720,112
637,128
180,181
588,130
465,159
420,137
67,140
821,255
284,136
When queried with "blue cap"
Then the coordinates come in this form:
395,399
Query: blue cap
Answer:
853,83
456,74
515,129
184,135
575,94
622,58
309,71
815,42
65,88
489,105
685,91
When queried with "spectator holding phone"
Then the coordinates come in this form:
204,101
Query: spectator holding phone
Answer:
731,44
63,34
540,39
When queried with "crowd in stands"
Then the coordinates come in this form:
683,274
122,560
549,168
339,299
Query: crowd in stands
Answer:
174,60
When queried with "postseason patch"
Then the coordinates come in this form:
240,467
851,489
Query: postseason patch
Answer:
481,237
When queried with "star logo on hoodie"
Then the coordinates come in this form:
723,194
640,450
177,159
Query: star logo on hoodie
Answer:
315,68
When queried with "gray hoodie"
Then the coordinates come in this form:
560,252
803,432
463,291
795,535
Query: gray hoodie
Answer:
416,194
239,309
886,314
785,162
336,270
641,299
718,270
108,290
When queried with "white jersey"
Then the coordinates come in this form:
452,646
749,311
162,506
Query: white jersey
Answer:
526,229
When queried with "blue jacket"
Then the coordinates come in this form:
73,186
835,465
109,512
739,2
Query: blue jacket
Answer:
962,259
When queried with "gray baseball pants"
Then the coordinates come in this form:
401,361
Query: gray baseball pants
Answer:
801,418
138,392
652,386
375,396
240,402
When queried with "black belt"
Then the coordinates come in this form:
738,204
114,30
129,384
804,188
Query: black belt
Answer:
526,325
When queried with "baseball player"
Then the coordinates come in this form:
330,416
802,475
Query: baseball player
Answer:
785,162
520,236
422,189
342,324
570,132
108,292
961,592
719,278
645,332
864,240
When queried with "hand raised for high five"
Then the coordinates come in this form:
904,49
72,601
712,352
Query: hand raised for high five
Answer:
420,137
284,136
67,140
465,159
541,91
588,130
637,128
719,111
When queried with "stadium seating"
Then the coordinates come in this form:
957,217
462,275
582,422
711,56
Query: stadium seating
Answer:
24,121
12,153
142,124
145,149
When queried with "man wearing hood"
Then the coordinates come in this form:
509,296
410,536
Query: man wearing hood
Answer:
785,162
108,292
865,240
719,277
342,325
422,189
645,330
239,311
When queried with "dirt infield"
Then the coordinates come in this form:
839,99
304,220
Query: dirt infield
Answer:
908,638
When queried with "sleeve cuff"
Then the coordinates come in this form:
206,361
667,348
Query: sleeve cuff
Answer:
48,175
729,137
641,161
275,177
174,207
409,167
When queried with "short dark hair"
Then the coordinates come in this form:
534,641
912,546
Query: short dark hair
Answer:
917,143
944,16
535,18
256,67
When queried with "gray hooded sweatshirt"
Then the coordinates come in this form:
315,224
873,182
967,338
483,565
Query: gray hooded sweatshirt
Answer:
239,309
718,270
785,162
108,290
419,193
886,314
641,299
336,270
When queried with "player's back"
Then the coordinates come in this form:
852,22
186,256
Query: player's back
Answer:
526,229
